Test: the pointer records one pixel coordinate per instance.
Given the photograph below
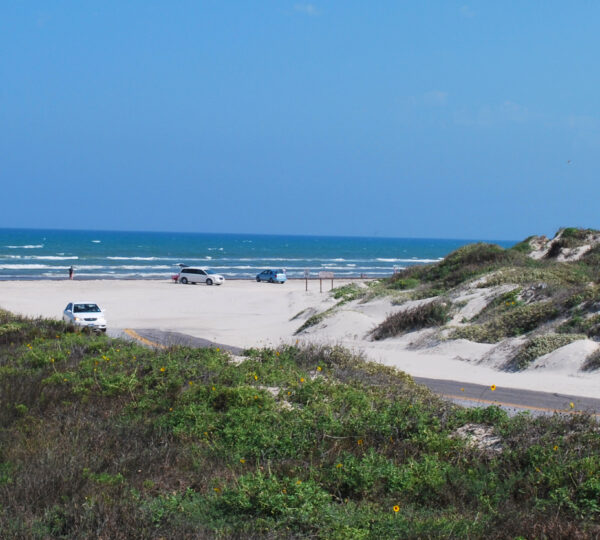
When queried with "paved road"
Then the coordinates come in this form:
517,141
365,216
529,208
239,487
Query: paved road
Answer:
512,400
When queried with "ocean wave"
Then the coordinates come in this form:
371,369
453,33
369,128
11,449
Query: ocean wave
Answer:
50,257
28,246
137,258
38,257
112,275
413,260
25,266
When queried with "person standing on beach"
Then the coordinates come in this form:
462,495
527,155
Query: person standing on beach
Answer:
71,271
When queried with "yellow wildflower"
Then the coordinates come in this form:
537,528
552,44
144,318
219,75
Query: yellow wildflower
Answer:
396,508
493,387
162,368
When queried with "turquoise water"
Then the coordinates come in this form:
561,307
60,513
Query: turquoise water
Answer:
48,254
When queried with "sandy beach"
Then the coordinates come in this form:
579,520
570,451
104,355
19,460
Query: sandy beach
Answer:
249,314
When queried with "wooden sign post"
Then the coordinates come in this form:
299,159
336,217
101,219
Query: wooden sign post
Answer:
322,276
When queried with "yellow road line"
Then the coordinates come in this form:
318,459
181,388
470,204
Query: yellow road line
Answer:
515,405
137,337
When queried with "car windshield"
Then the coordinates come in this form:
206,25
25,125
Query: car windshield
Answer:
86,308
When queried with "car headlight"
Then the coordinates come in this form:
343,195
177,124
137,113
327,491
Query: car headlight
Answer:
76,318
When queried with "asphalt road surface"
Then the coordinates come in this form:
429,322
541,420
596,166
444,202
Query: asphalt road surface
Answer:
512,400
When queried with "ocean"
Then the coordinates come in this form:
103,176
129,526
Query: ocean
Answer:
48,254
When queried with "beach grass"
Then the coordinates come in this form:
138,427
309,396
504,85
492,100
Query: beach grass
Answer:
105,438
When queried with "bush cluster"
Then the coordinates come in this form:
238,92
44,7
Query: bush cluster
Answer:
592,362
538,346
516,321
435,313
104,438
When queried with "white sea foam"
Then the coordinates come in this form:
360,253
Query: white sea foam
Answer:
51,258
96,241
137,259
413,260
29,246
25,266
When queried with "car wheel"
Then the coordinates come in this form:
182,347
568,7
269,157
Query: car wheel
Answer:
271,280
209,281
184,280
258,280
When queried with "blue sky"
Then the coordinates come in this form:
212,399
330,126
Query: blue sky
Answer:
390,118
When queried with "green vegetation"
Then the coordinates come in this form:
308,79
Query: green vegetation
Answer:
436,313
538,346
104,438
588,325
547,295
460,266
515,321
592,362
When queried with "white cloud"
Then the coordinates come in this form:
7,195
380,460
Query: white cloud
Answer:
307,9
507,112
435,98
467,12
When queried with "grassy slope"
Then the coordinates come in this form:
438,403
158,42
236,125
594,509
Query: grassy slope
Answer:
102,438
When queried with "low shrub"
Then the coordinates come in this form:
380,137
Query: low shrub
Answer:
590,326
539,346
436,313
518,320
349,292
592,362
524,246
402,283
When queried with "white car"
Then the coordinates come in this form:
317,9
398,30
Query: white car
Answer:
85,314
191,274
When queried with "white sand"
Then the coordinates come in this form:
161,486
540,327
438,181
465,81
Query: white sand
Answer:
246,313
